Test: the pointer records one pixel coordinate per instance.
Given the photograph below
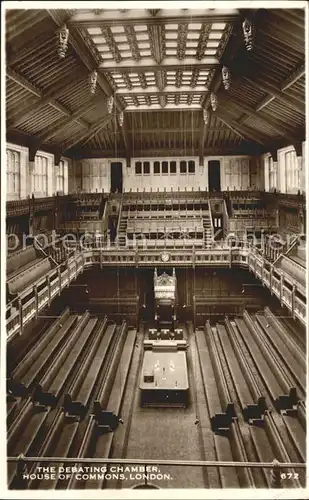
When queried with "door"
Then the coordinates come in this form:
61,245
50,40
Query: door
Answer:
116,177
214,178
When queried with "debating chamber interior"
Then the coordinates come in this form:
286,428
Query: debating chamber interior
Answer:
156,247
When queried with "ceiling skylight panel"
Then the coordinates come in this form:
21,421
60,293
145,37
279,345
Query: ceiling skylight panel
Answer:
120,38
193,36
142,36
214,36
194,26
98,39
94,31
143,45
218,26
190,52
140,27
103,48
117,29
171,36
106,56
123,46
211,44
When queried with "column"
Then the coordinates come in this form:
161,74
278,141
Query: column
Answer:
30,178
276,176
266,173
300,175
55,170
66,177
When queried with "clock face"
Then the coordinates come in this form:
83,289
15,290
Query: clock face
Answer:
165,256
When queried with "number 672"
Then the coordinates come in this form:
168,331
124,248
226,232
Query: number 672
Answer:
289,475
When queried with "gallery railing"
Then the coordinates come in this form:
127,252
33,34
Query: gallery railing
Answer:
30,302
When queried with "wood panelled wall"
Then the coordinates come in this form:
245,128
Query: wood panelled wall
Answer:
237,173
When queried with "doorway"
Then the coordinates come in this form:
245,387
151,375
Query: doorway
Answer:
116,177
214,177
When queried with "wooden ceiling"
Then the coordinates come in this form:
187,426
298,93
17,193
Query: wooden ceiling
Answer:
160,66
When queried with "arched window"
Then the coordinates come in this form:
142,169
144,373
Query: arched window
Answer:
291,171
13,172
40,175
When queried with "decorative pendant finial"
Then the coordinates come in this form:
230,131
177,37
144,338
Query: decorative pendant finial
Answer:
213,101
93,81
63,34
248,31
110,103
205,116
120,118
226,77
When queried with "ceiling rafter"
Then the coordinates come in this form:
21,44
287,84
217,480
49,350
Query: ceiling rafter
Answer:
245,133
86,136
280,129
168,89
169,63
34,17
232,46
44,99
15,56
108,18
291,102
262,104
144,131
168,106
293,78
56,129
245,148
84,53
87,58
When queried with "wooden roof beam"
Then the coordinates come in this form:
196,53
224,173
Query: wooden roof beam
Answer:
168,89
291,102
280,129
168,63
91,132
78,43
264,102
44,99
168,106
143,131
143,16
28,24
246,133
55,130
244,148
296,75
